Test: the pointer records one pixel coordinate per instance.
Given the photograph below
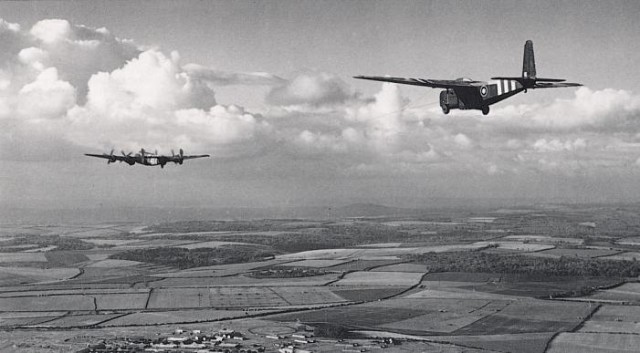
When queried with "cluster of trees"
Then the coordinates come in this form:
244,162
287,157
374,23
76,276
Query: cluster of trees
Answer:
41,241
519,264
187,258
288,273
213,226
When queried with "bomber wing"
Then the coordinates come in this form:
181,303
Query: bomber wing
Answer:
105,156
196,156
111,158
421,81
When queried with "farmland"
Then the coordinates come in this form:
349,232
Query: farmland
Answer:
527,280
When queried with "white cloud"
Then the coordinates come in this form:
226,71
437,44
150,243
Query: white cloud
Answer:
462,140
62,83
51,31
152,81
312,88
151,101
555,145
222,78
46,97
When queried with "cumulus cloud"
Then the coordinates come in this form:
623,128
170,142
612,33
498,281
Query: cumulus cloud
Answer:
223,78
84,86
46,97
79,51
151,101
152,80
555,145
62,84
602,110
311,88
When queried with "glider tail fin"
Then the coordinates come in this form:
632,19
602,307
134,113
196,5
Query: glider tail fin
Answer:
528,62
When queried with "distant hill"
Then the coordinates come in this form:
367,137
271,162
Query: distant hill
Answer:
371,210
9,215
153,215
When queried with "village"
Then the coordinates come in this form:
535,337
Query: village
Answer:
225,341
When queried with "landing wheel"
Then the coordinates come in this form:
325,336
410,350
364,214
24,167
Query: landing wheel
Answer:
485,110
445,109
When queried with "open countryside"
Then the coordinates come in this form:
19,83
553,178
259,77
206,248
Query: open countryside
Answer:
548,279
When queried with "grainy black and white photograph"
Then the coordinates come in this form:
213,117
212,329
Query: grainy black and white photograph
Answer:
286,176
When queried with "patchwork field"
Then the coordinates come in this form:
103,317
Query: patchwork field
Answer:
614,319
517,343
241,280
594,343
445,316
412,268
545,239
51,303
541,316
33,275
628,292
626,256
110,263
178,317
315,263
240,297
22,257
516,246
76,321
482,281
629,241
210,244
359,294
352,316
379,278
13,319
580,253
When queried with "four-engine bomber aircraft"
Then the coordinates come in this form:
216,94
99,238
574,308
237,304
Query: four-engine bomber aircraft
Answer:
464,93
146,158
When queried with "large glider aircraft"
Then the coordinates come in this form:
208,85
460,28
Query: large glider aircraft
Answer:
146,158
464,93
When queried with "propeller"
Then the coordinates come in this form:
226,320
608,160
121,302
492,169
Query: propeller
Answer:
111,157
181,156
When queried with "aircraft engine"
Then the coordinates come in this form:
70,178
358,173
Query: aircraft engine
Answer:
112,158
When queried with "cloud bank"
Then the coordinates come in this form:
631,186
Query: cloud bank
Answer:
64,85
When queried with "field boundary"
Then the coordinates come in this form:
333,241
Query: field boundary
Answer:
146,304
279,295
587,318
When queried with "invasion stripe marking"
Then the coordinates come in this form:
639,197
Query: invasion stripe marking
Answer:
499,86
513,85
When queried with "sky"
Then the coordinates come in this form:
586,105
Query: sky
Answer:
266,88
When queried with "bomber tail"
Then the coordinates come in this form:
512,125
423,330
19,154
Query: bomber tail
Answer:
528,62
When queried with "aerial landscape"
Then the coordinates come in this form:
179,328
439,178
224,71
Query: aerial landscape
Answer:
319,176
552,278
